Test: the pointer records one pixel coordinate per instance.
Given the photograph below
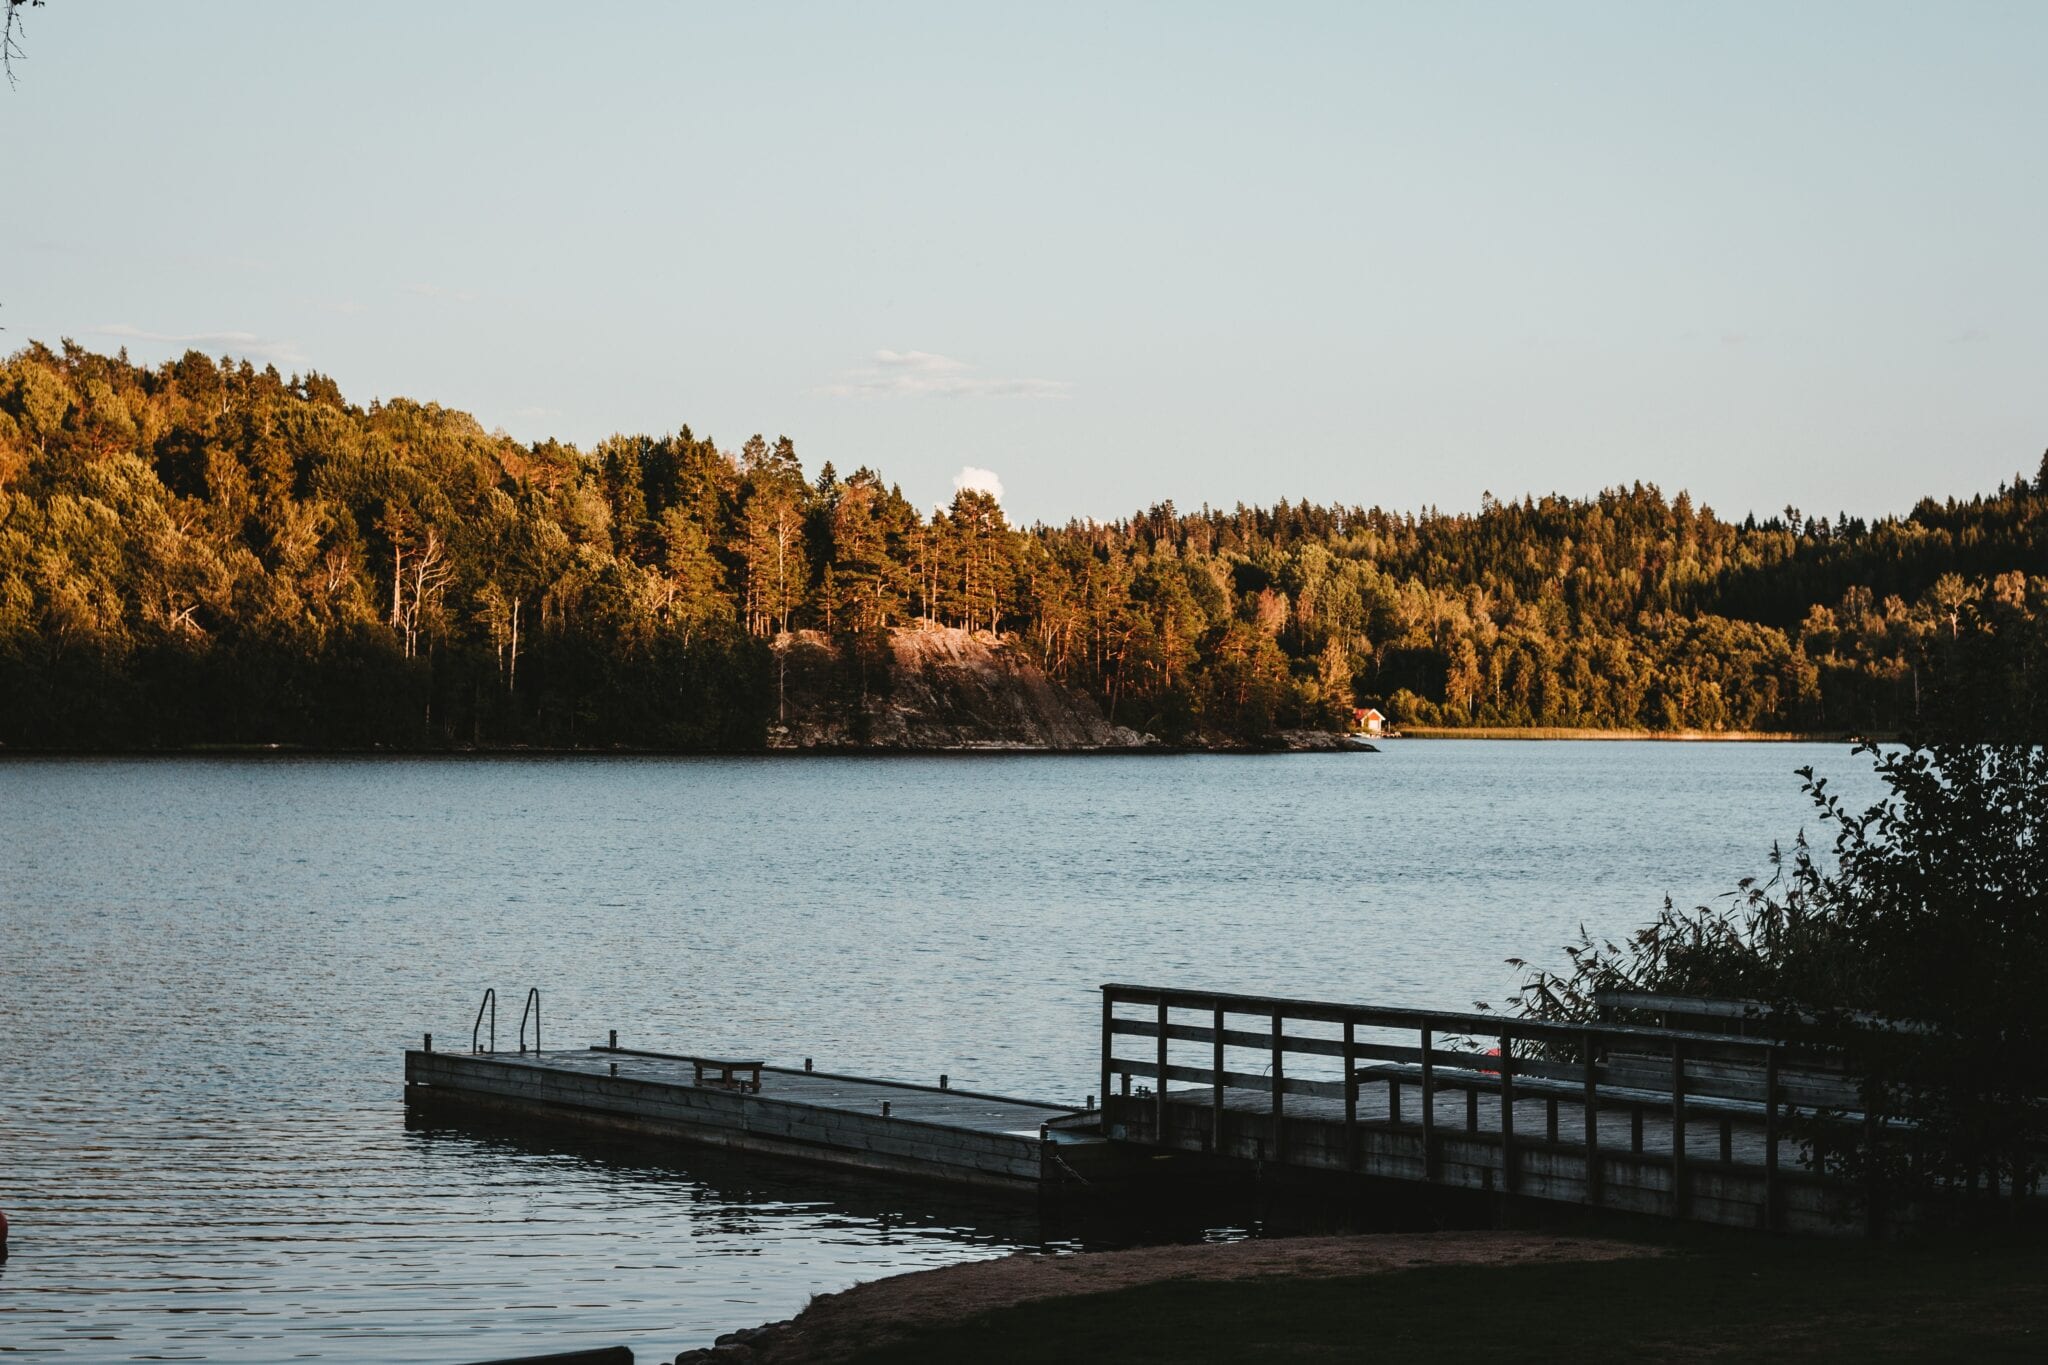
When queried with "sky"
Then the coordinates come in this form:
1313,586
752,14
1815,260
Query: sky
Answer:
1097,256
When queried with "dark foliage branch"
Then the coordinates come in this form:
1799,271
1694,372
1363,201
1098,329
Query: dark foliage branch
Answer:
1913,951
10,36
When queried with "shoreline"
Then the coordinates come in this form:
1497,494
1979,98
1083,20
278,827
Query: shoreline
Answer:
1339,743
1565,732
282,751
1412,1295
876,1314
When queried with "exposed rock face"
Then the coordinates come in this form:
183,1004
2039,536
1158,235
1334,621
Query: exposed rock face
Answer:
931,689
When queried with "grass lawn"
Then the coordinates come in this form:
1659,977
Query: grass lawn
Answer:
1802,1300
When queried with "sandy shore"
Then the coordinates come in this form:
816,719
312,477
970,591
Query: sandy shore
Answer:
835,1327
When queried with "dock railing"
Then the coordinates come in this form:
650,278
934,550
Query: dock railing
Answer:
532,1009
477,1041
1284,1059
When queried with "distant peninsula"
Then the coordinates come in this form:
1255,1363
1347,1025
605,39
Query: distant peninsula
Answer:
206,554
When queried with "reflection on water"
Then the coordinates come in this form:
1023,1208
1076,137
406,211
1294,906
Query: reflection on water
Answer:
208,970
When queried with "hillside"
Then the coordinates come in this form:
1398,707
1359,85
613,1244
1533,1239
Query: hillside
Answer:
205,553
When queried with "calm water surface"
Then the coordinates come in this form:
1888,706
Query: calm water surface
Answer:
208,970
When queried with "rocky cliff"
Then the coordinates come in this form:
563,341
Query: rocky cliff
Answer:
928,689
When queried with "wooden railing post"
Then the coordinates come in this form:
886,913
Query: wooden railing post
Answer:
1159,1081
1278,1073
1591,1101
1678,1192
1429,1163
1507,1112
1771,1138
1216,1080
1873,1187
1350,1095
1108,1042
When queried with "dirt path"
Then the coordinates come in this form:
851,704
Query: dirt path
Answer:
837,1326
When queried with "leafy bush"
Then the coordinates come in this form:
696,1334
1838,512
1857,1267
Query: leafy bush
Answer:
1916,954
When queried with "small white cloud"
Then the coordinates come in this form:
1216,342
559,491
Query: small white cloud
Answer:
247,344
921,374
980,480
919,362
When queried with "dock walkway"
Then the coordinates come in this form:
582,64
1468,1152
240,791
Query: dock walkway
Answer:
882,1125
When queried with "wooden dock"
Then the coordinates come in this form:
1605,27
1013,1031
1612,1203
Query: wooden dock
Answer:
858,1121
1723,1122
1660,1121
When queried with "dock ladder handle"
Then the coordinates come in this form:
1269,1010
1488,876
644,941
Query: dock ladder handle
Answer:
532,1008
490,1003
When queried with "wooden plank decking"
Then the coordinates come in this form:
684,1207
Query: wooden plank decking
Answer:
873,1124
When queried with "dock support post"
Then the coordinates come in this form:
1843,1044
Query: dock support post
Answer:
1350,1095
1216,1081
1591,1102
1678,1199
1278,1151
1507,1113
1159,1082
1429,1171
614,1040
1108,1013
1771,1138
428,1046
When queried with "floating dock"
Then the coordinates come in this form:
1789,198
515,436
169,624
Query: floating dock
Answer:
858,1121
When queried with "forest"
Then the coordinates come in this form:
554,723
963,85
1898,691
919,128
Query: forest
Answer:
205,553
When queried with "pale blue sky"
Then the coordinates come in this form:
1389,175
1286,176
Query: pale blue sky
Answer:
1393,254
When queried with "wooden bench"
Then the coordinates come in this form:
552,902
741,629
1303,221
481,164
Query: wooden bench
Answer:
732,1073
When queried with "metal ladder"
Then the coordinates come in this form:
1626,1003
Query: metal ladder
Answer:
482,1041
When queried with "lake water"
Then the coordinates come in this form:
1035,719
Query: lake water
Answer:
209,968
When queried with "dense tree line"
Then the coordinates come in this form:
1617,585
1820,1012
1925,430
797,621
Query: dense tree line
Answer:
205,552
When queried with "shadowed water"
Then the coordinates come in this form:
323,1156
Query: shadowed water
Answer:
208,969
